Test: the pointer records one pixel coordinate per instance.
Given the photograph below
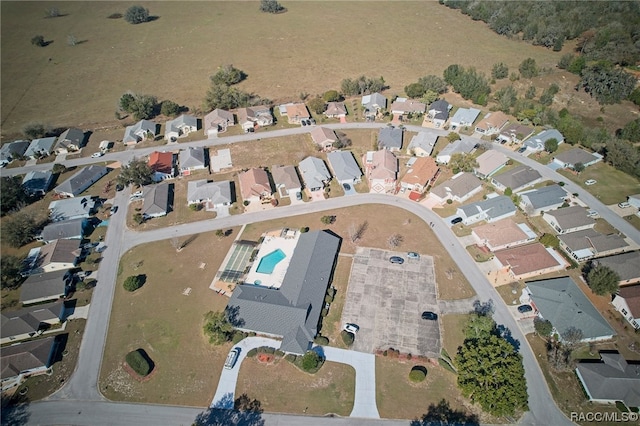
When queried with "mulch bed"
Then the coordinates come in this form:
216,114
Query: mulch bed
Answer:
266,358
139,378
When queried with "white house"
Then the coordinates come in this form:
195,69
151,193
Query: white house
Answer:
180,127
140,131
344,166
491,210
461,146
627,302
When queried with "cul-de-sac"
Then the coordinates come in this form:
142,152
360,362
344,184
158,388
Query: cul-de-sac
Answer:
352,213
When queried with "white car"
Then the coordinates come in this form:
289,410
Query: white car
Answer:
232,358
624,205
97,154
590,182
351,328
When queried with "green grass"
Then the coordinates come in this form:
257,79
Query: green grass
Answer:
613,186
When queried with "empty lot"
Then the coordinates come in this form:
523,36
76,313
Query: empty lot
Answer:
386,301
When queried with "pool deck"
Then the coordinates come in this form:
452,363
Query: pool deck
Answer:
270,244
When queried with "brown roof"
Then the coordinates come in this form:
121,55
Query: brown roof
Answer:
285,175
161,162
336,108
59,251
631,295
499,233
527,259
422,171
321,135
298,110
253,183
216,117
25,356
489,161
384,165
494,120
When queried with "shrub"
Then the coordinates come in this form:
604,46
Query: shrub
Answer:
328,298
138,218
279,353
311,362
38,40
169,108
138,361
34,130
133,282
252,352
136,15
321,340
304,229
268,350
418,374
195,207
58,168
449,201
347,337
291,358
271,6
237,336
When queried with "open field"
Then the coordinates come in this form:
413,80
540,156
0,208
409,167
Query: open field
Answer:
167,57
613,185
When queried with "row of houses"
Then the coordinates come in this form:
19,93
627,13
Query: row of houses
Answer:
70,140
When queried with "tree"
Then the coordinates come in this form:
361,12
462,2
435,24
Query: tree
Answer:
38,40
572,336
361,85
469,83
311,361
137,172
559,356
499,71
136,15
542,327
169,108
356,232
12,194
453,136
331,96
328,220
225,97
631,131
317,105
414,90
490,373
52,12
635,96
606,84
10,267
603,280
34,130
19,228
506,98
138,218
530,93
578,167
623,156
142,107
462,162
479,326
551,145
133,282
58,168
433,83
217,327
528,68
442,414
271,6
228,75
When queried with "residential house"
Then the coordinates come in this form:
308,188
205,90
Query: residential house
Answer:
192,159
529,260
634,200
314,173
464,117
422,144
381,170
180,127
46,286
569,219
517,179
58,255
19,362
140,131
514,133
461,146
626,265
72,208
459,188
536,143
588,243
489,162
390,138
612,380
404,107
215,194
40,147
336,110
569,159
373,104
502,234
37,182
163,165
292,311
13,150
491,210
561,302
217,121
492,123
345,167
422,173
156,200
253,117
254,185
28,322
73,229
81,181
627,302
438,112
297,112
536,201
69,141
323,137
286,180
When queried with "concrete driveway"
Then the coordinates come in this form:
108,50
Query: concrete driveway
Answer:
386,301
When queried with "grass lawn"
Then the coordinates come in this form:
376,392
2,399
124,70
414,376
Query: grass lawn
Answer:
613,185
331,325
633,220
453,325
479,255
330,390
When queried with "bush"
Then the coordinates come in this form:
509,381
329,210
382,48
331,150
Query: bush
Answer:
34,130
311,362
279,353
418,374
321,340
237,336
139,362
328,298
347,337
133,282
291,358
38,41
195,207
252,352
271,6
304,229
136,15
169,108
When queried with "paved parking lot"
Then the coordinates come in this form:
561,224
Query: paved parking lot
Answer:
386,301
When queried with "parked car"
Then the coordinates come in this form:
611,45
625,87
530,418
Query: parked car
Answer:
456,220
522,149
303,122
590,182
624,205
592,213
396,259
232,358
523,309
351,328
97,154
113,209
346,186
413,255
431,316
298,196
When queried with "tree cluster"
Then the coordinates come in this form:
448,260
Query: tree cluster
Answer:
35,130
20,228
10,267
430,84
228,75
12,194
137,172
142,107
469,83
222,95
603,280
271,6
608,85
362,85
136,15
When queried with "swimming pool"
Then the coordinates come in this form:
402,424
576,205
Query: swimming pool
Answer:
269,261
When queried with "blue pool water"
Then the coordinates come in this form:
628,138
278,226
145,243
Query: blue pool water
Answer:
269,261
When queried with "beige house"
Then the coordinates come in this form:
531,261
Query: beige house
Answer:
529,261
489,163
252,117
323,137
336,110
217,121
492,123
502,234
458,188
381,170
297,112
254,185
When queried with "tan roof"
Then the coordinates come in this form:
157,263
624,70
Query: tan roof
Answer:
490,161
571,217
500,233
253,183
216,117
298,110
384,165
60,251
494,120
527,259
322,135
423,170
409,106
458,185
631,295
336,108
285,175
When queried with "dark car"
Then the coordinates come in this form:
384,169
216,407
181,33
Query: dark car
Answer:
113,209
522,149
456,220
431,316
346,186
523,309
303,122
396,259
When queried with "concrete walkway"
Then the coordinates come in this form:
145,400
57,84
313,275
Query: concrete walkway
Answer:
80,312
364,401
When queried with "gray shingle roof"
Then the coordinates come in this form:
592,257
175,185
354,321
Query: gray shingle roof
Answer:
29,319
493,207
561,302
626,265
439,109
46,285
217,192
546,196
575,156
156,199
37,181
457,186
13,150
591,239
134,133
423,140
178,123
519,177
73,228
613,379
390,138
571,217
81,180
374,101
293,310
463,146
465,116
536,142
314,172
26,356
42,145
192,157
344,165
70,136
71,208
